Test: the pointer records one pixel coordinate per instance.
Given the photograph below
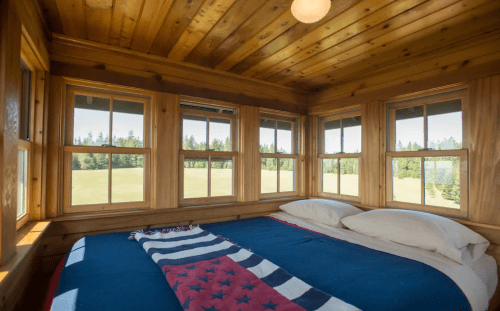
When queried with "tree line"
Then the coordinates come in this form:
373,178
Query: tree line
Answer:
190,143
438,177
100,161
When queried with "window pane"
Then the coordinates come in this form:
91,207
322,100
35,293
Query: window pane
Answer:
332,137
285,137
22,182
349,176
194,130
196,178
329,178
444,124
89,178
267,135
91,121
352,134
287,175
221,171
442,181
128,124
410,128
25,116
220,134
268,176
406,182
127,178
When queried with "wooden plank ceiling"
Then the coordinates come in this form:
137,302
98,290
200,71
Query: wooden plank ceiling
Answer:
261,38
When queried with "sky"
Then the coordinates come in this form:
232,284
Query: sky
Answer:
439,127
96,121
409,130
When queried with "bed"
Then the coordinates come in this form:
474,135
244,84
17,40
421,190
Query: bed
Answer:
111,272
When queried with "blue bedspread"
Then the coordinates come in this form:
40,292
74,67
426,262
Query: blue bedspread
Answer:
109,272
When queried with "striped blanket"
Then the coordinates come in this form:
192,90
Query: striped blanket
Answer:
210,273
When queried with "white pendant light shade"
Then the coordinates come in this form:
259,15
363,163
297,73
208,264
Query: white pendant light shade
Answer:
310,11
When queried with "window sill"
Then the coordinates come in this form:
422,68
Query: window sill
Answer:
142,212
27,241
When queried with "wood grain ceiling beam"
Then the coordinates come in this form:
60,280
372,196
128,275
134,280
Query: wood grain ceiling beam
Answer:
73,56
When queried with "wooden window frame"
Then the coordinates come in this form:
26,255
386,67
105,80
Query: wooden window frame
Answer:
69,149
441,95
27,144
278,156
208,154
337,156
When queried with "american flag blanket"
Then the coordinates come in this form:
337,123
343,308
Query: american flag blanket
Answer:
210,273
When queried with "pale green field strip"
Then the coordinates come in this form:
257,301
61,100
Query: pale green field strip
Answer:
91,187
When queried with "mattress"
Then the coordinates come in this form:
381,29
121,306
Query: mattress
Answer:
108,271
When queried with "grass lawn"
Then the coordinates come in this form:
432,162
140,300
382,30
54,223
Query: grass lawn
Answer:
408,190
91,186
349,184
269,181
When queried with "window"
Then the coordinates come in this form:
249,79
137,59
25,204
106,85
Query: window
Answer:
24,144
107,151
278,155
339,154
427,156
208,154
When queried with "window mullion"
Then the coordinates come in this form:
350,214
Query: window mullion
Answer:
278,173
110,141
338,175
422,181
110,165
425,128
276,137
209,176
208,136
341,138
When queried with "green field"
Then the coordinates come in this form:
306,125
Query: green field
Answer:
269,181
408,190
91,186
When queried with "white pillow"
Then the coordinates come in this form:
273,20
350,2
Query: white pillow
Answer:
327,212
422,230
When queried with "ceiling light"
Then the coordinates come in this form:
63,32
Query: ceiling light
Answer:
310,11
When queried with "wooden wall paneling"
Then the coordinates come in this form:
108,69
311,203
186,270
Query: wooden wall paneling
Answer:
45,131
314,177
180,15
49,8
484,151
416,40
249,154
10,92
124,20
190,79
351,31
278,26
73,20
370,161
54,147
207,16
301,160
240,11
361,9
167,151
288,37
465,71
268,12
152,17
471,53
99,14
37,148
33,28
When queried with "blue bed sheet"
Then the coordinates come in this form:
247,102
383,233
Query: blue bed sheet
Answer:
110,272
